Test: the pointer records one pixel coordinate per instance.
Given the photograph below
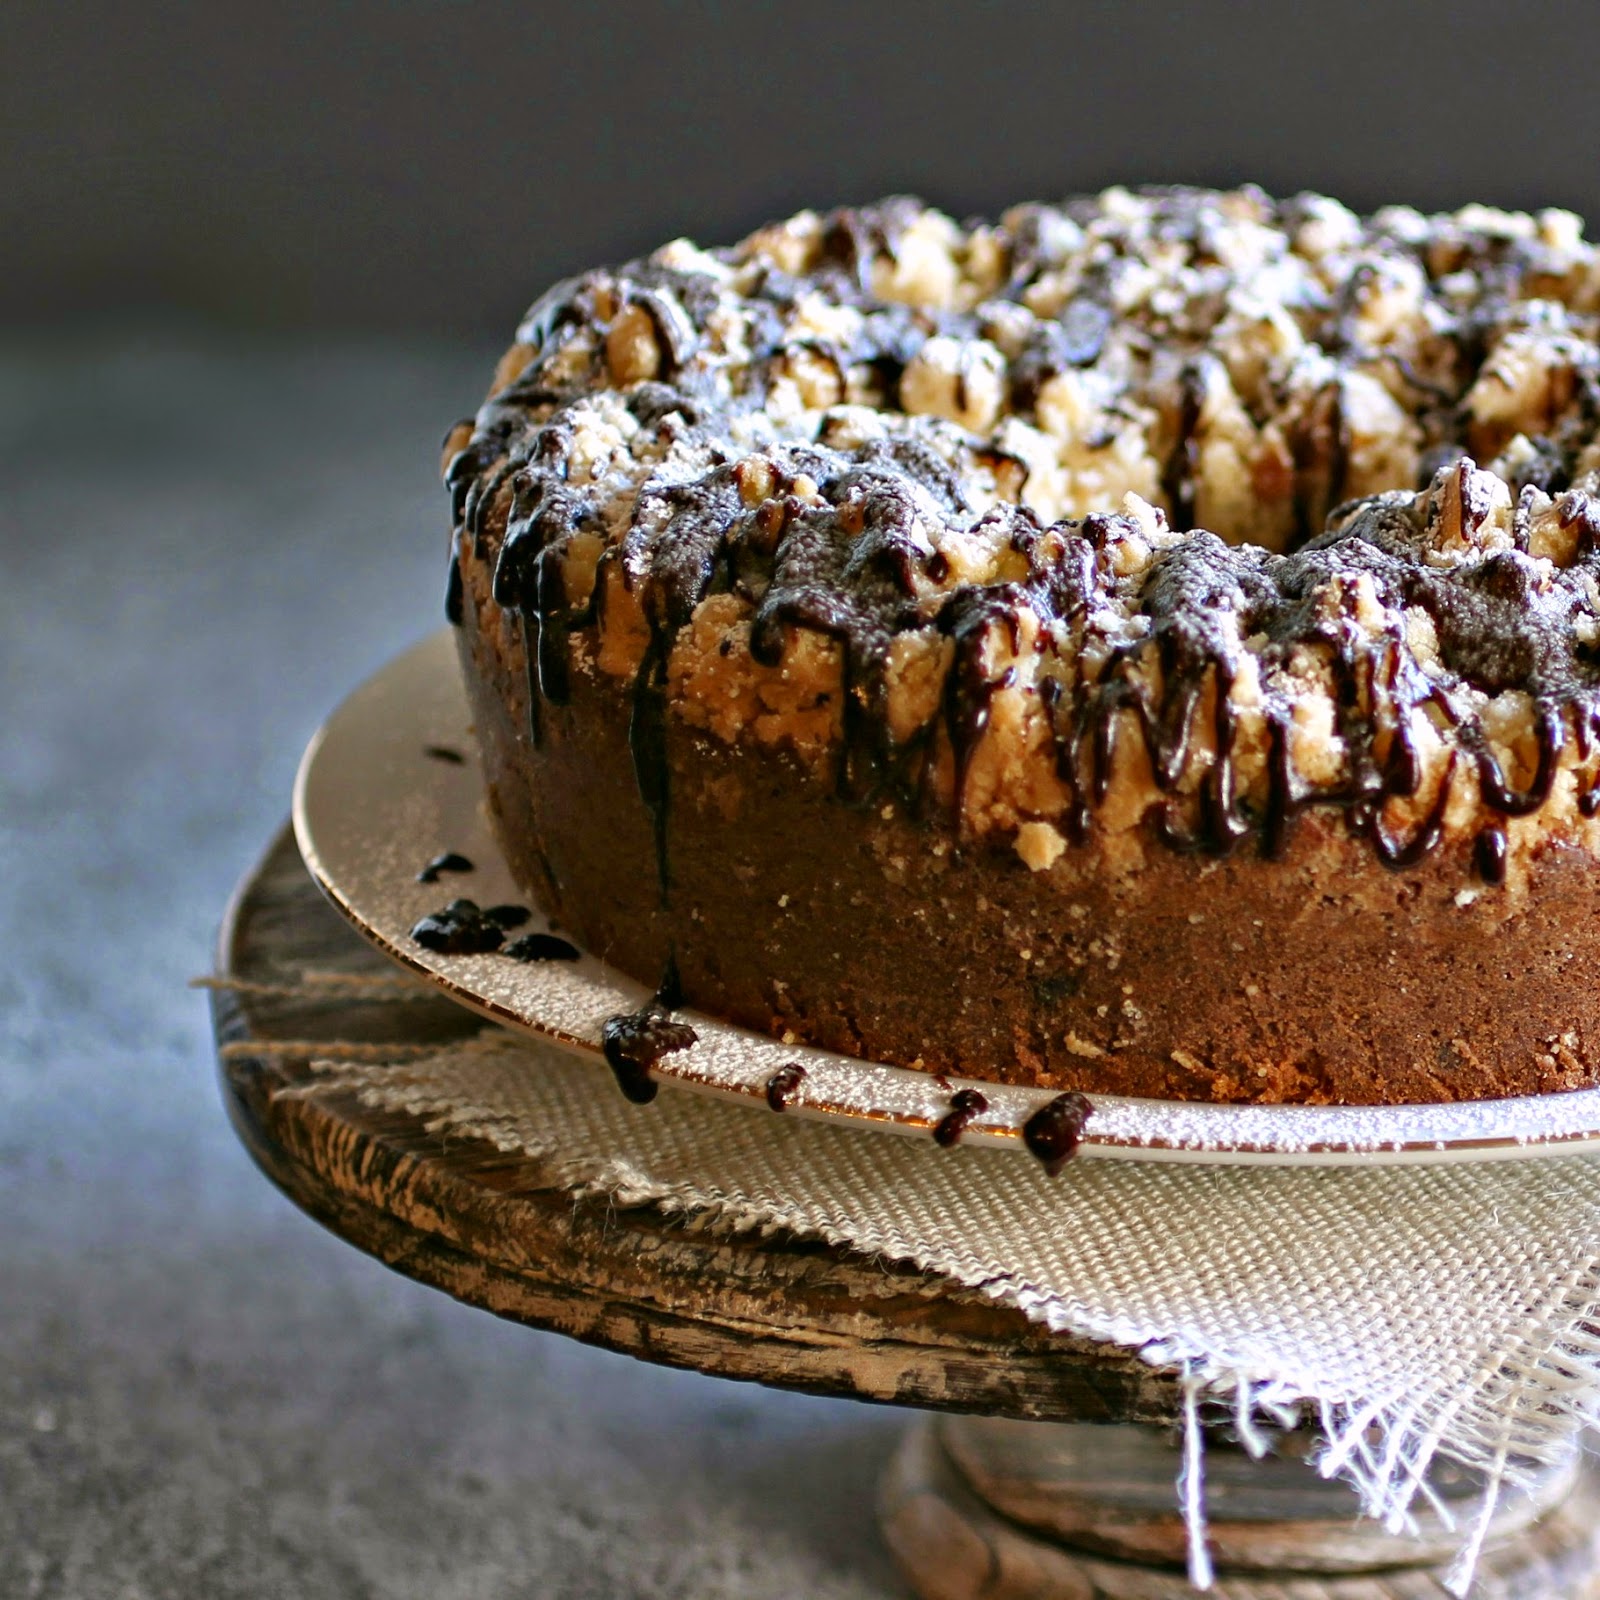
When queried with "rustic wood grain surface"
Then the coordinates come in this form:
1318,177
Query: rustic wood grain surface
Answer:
952,1544
493,1230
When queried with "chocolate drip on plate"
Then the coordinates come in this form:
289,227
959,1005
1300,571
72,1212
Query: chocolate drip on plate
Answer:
507,917
634,1042
461,928
449,861
1053,1132
966,1105
541,947
784,1084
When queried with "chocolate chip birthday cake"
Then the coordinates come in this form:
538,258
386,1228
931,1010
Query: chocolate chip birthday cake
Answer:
1148,644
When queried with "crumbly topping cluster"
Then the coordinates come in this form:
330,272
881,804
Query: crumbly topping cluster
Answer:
925,501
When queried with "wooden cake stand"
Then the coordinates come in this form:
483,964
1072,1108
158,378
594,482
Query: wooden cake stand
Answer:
1018,1488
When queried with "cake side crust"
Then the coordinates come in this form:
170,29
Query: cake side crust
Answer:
1320,978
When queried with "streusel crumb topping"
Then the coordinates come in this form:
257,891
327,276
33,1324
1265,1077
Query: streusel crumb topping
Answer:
1158,506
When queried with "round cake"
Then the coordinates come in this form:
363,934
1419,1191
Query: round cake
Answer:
1148,644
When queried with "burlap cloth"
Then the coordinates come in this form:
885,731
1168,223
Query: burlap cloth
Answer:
1421,1311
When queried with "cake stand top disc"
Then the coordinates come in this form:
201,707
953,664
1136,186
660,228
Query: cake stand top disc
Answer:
500,1230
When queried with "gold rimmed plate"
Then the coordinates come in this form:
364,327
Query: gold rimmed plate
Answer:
390,782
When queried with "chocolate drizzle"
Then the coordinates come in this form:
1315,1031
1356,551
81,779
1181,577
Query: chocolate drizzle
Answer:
449,861
541,947
850,539
1178,478
647,742
1489,854
462,928
966,1105
1053,1132
508,917
634,1042
784,1084
453,593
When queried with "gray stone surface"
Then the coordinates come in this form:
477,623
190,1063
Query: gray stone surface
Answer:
202,1394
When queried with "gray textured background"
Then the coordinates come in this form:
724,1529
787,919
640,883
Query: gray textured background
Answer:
254,260
419,164
203,1396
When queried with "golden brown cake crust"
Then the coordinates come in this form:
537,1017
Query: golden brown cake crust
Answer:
837,620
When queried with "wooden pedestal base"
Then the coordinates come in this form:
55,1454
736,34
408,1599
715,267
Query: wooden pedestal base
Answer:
1058,1487
986,1507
